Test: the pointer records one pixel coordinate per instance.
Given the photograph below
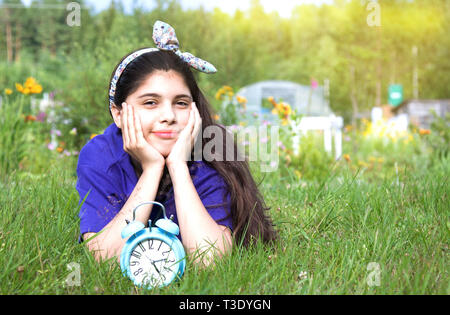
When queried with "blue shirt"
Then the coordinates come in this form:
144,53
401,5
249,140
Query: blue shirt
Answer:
106,179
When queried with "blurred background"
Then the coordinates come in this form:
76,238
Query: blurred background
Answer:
352,62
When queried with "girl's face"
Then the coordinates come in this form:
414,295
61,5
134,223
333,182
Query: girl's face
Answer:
163,102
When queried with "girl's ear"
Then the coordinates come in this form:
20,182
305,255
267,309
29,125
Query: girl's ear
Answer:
116,113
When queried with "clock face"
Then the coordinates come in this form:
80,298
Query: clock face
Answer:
153,263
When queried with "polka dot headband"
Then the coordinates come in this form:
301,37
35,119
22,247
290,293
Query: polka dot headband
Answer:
165,39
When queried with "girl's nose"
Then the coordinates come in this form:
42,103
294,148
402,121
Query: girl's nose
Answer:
167,114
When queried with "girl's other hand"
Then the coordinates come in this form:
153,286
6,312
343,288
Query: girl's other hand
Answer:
134,142
182,148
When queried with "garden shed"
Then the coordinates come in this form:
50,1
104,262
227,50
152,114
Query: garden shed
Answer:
303,99
422,112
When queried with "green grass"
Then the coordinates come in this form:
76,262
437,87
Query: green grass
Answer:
330,231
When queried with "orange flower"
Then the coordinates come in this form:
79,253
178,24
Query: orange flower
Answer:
30,118
346,157
59,149
424,131
216,117
272,100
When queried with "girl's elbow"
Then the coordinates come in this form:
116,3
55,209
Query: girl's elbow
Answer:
209,252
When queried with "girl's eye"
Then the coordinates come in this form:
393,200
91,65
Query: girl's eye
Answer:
150,103
181,103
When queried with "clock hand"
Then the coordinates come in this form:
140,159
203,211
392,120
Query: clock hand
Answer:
151,261
154,265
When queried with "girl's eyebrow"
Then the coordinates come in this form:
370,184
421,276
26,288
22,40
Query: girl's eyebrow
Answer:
159,96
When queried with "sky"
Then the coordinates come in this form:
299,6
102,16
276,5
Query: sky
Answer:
283,7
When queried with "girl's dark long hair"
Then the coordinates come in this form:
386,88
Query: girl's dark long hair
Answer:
248,209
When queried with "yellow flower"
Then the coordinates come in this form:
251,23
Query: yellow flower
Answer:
30,87
279,107
241,100
19,87
216,117
284,122
30,82
298,173
8,91
93,135
287,110
362,164
36,89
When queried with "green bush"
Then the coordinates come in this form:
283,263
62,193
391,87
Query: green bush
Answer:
439,137
12,135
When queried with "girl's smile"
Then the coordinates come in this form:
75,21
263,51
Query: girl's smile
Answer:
165,134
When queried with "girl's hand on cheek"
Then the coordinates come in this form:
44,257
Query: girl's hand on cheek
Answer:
181,150
134,142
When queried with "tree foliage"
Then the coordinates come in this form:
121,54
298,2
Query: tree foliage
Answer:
333,42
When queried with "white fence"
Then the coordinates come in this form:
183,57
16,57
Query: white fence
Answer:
332,130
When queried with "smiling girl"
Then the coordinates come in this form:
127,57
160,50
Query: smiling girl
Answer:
146,154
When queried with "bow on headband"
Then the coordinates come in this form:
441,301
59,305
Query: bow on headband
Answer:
165,39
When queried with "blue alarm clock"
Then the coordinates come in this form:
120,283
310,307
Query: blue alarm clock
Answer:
153,256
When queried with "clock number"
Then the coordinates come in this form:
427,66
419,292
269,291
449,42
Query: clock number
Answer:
170,260
137,272
134,263
150,244
142,247
136,254
166,252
